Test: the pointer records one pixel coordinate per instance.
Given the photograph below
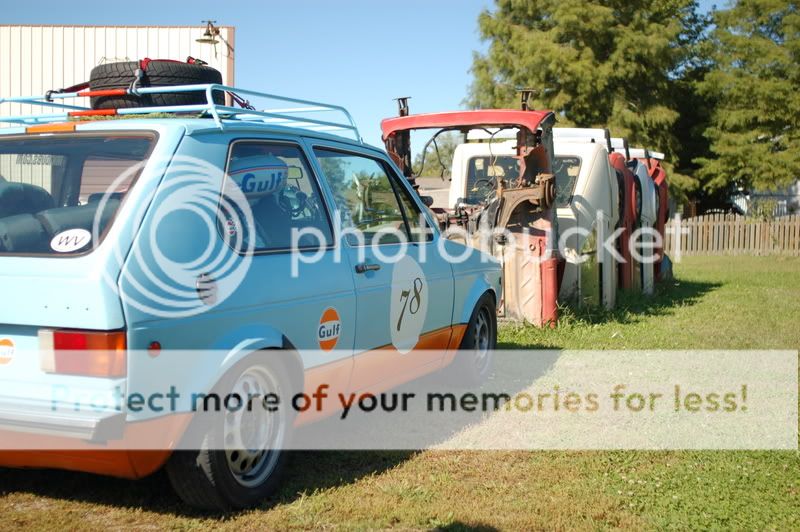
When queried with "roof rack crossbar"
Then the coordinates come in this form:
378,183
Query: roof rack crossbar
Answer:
269,116
40,100
217,112
298,110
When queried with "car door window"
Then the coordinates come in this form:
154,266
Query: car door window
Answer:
367,200
417,224
282,195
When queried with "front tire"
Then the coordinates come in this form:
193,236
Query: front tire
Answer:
243,456
475,358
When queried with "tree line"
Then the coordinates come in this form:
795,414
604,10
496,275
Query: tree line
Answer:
717,92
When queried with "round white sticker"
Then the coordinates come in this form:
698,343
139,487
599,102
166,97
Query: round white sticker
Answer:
70,240
409,304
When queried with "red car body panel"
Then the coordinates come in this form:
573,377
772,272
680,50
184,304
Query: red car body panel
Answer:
484,117
627,219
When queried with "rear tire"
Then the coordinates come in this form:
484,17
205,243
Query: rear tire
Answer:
222,477
158,74
475,358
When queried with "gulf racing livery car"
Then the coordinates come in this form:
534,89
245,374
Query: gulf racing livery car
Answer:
255,239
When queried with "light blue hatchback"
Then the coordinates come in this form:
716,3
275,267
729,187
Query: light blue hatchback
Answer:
281,253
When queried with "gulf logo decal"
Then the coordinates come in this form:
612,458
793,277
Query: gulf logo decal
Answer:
261,180
6,351
259,175
329,329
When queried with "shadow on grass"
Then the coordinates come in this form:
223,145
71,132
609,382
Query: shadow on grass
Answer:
463,527
668,297
307,472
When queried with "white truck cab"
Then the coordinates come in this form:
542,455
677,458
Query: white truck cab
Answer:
475,167
586,185
588,213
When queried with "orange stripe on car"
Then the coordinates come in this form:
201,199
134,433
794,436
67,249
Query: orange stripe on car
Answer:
51,128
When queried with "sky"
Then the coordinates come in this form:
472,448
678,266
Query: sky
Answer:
357,53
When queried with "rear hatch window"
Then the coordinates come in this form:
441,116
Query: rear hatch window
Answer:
60,193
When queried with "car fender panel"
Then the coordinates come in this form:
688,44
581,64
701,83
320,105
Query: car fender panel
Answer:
475,287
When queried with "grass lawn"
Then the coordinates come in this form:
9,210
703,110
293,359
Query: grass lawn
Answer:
743,302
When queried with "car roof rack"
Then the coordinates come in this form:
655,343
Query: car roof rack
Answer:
287,116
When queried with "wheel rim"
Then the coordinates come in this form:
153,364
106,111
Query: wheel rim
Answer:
483,339
252,435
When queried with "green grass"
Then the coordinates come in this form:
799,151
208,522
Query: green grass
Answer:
715,302
739,303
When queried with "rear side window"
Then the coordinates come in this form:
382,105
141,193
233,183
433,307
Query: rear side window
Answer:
282,195
369,201
59,194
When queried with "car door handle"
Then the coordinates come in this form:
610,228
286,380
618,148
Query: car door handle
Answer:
365,267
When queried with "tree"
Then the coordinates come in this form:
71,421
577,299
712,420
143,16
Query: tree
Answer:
755,85
596,63
437,159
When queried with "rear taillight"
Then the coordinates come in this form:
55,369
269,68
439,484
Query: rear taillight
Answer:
86,353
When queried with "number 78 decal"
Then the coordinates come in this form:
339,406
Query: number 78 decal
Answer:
411,299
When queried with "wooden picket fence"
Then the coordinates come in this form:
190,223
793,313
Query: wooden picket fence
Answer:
727,234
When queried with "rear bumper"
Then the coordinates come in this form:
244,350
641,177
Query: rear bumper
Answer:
103,443
121,464
89,426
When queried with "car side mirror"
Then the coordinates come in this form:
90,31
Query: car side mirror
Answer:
427,200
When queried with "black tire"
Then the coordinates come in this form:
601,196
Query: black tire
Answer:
203,478
474,362
158,74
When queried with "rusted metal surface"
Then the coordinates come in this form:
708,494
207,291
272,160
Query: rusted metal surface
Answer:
521,205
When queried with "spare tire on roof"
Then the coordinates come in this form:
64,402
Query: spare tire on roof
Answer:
156,73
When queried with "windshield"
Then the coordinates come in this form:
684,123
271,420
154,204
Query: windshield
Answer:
482,174
53,188
483,171
566,169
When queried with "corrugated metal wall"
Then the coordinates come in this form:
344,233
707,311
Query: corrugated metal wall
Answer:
34,59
